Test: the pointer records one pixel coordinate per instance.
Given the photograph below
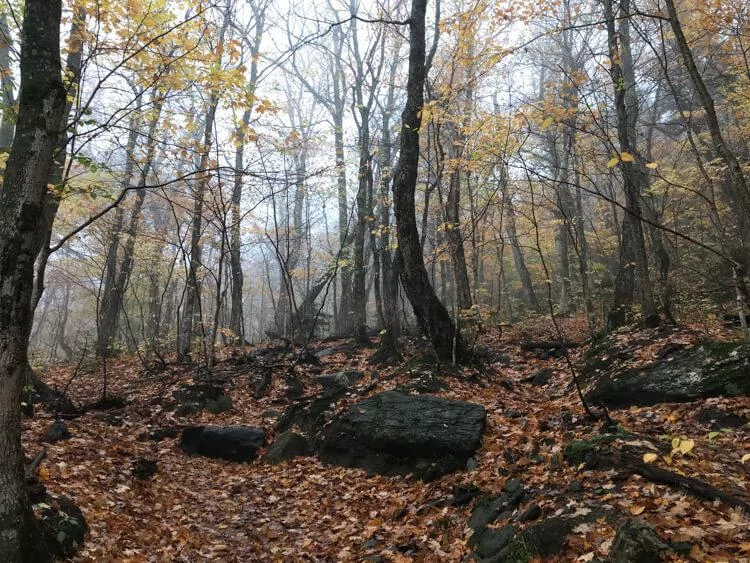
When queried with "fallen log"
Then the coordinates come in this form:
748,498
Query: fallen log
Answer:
612,458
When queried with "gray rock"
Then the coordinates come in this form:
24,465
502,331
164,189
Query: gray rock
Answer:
187,409
513,485
235,443
531,513
490,508
397,434
636,541
193,398
541,377
63,526
287,446
312,413
338,379
57,431
547,537
222,404
710,370
491,541
716,418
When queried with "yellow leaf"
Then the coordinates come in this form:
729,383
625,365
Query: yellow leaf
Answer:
675,443
668,459
636,510
648,458
745,458
614,161
627,157
686,446
547,122
652,165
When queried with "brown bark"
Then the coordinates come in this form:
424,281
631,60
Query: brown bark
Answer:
633,274
22,200
236,317
432,316
191,313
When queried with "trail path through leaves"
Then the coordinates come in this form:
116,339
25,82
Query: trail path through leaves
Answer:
201,509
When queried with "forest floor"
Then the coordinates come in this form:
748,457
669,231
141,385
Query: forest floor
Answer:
196,508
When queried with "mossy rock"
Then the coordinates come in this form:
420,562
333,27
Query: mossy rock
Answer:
545,538
287,446
636,541
63,526
708,370
577,451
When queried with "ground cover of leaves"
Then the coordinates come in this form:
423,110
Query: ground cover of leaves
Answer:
201,509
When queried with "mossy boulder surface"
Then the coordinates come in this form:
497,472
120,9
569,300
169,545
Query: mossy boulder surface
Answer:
393,433
710,369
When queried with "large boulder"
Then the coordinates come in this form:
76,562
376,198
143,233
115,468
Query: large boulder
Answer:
235,443
708,370
397,434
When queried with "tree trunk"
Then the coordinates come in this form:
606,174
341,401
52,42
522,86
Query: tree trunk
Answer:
390,274
117,275
191,313
236,318
527,287
58,175
22,200
432,316
633,273
6,83
739,190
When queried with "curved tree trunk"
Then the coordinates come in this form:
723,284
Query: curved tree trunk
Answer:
432,316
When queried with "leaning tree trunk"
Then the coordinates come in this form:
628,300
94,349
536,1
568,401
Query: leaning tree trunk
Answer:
527,287
22,200
432,316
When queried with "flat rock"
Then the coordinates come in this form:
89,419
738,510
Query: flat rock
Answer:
312,413
193,398
234,443
397,434
541,377
709,370
490,508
